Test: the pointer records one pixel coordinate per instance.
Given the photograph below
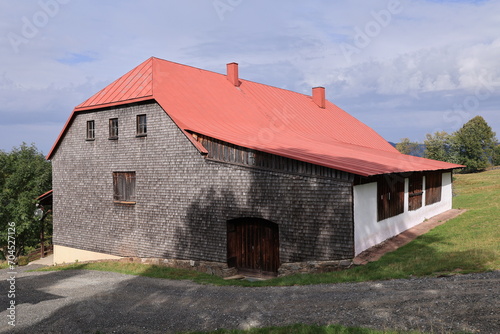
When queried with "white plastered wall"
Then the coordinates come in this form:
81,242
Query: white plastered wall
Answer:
369,232
64,254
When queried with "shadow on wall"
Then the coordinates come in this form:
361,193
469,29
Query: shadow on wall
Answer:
314,215
203,236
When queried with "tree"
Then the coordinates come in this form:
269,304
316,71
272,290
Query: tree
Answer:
496,156
473,144
438,146
406,146
24,175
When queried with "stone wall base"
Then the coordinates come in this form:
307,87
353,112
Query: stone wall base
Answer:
207,267
313,267
222,270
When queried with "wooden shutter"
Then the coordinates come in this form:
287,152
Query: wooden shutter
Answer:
433,183
415,191
124,186
390,191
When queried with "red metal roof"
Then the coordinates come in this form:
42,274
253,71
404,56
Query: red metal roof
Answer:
258,116
134,86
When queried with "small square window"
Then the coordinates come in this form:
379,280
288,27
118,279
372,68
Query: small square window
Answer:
113,128
142,129
90,130
124,187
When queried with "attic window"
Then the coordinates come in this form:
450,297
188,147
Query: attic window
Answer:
113,128
90,130
142,129
124,187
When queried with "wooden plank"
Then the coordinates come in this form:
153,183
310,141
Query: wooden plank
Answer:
390,192
433,183
253,245
415,191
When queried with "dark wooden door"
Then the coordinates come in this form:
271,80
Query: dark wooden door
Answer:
253,246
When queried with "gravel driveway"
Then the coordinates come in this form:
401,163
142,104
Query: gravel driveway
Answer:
80,301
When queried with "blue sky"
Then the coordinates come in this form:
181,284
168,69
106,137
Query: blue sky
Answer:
405,68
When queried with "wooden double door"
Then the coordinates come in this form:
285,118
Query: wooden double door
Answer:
253,246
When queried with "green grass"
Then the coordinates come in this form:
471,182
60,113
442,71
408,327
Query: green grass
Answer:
301,329
304,329
466,244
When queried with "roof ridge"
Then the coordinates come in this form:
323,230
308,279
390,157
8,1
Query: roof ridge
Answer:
256,115
222,74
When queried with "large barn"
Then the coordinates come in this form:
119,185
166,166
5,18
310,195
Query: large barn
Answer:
215,172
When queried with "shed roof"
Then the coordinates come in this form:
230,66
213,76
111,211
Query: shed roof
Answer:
257,116
45,198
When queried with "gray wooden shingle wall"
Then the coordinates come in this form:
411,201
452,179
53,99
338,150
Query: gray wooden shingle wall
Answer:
184,200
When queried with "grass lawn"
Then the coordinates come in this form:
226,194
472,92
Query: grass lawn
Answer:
304,329
466,244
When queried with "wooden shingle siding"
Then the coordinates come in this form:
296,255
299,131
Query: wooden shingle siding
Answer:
184,200
226,152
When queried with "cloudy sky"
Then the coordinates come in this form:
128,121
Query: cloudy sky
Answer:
405,68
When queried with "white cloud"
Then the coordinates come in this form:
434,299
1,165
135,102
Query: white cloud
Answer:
423,59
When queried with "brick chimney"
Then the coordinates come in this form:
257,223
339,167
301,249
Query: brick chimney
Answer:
318,96
232,74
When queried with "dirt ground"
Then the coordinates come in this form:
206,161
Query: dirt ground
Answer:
81,301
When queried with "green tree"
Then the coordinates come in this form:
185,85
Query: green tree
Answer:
24,175
496,156
473,144
438,146
406,146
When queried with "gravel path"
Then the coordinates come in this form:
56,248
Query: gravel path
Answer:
80,301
